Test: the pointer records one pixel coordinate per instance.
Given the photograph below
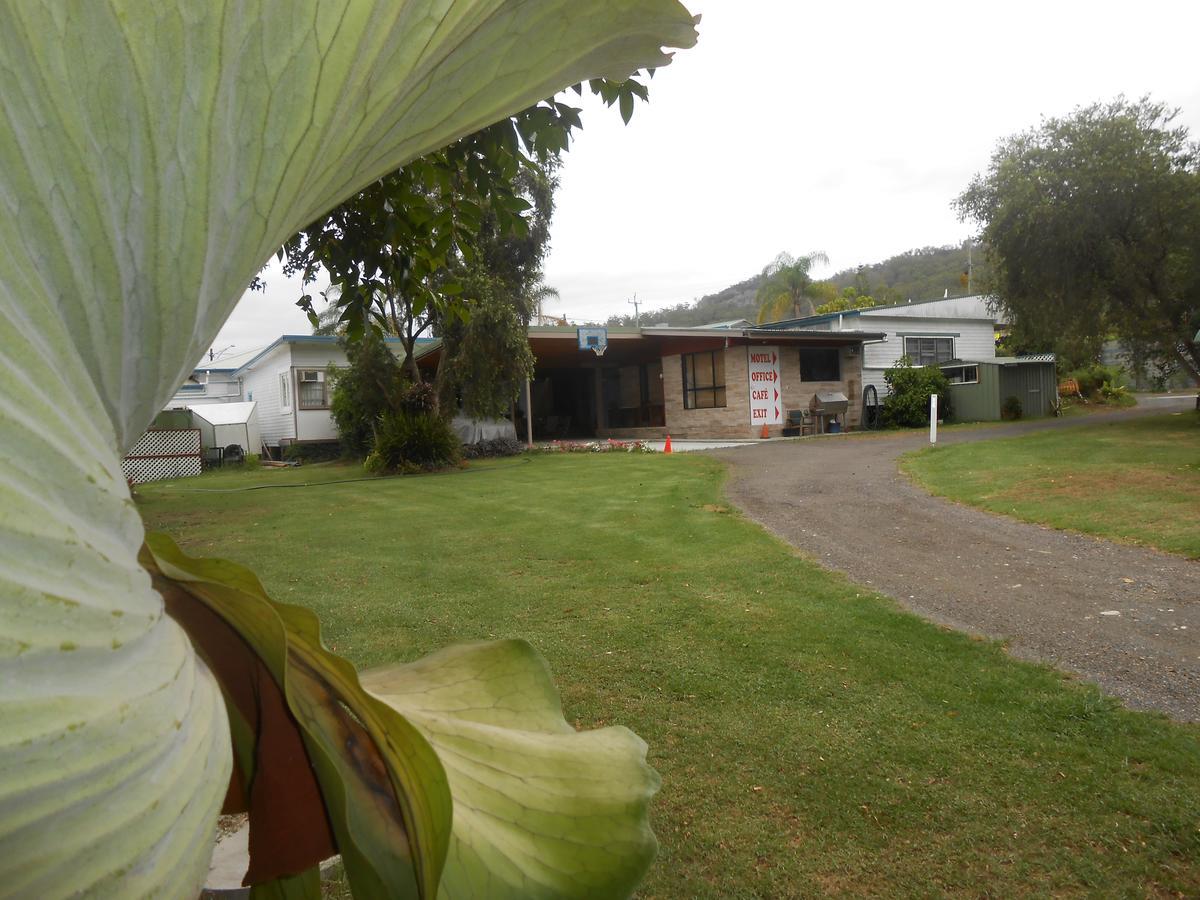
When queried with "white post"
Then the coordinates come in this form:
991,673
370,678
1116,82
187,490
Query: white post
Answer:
528,417
933,418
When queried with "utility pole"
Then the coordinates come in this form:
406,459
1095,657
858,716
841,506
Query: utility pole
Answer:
969,267
637,318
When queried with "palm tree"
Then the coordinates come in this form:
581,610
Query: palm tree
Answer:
539,294
786,289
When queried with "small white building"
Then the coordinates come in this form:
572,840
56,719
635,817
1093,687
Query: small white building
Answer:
287,381
228,424
928,331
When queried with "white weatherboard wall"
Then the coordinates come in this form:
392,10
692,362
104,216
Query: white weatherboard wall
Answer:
315,424
966,320
974,339
260,383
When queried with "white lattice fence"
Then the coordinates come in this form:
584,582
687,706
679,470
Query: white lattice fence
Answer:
164,453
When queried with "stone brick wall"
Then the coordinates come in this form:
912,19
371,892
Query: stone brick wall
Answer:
797,394
733,421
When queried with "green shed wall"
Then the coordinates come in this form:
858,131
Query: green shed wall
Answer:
977,402
1034,384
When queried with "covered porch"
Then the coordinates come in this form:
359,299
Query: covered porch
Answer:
576,394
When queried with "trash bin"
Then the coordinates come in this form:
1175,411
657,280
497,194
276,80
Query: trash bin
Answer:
834,427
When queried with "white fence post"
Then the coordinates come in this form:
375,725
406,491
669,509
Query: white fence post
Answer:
933,418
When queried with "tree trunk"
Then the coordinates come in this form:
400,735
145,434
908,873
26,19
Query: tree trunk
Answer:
1189,355
410,359
437,379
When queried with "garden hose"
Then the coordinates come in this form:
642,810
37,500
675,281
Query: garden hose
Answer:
303,484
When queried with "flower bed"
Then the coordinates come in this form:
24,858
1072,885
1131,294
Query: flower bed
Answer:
605,446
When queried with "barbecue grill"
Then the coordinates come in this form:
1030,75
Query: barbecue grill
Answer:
828,406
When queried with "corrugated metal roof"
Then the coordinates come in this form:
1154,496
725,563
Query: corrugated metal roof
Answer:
1031,358
867,310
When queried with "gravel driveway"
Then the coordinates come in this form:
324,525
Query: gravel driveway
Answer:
1123,617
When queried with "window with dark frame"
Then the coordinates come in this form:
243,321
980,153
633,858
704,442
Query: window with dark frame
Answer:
704,379
961,374
929,351
820,364
312,393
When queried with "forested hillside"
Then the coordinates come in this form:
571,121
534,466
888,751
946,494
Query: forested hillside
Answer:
917,274
734,302
920,274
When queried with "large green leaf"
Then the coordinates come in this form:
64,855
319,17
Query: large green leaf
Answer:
540,810
387,800
152,156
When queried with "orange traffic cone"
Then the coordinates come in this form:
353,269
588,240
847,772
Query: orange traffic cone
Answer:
667,445
765,433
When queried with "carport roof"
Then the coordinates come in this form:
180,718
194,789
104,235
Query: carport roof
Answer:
631,337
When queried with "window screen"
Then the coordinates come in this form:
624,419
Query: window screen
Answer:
311,390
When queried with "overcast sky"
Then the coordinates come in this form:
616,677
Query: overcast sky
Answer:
843,127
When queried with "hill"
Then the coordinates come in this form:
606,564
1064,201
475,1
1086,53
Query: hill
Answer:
919,274
734,302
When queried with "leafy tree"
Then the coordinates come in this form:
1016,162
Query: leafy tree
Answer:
848,299
486,356
371,385
1092,227
787,287
397,249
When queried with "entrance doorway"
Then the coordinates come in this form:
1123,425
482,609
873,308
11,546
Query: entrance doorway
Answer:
564,404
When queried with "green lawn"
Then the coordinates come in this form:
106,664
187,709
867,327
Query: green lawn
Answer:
812,738
1136,481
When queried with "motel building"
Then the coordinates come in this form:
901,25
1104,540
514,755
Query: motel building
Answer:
725,380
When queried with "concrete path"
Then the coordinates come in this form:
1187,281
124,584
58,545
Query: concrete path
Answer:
1123,617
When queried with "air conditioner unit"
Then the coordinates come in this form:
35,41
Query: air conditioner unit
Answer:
312,376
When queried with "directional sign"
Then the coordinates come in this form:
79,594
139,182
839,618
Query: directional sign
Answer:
766,406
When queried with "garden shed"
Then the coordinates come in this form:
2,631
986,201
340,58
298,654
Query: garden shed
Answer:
223,424
979,388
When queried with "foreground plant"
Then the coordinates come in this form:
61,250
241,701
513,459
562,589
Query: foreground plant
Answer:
151,157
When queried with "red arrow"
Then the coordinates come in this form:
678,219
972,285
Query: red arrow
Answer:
777,412
777,398
774,376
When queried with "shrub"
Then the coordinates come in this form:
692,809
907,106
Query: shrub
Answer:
1113,392
1091,378
907,403
504,446
369,387
418,398
406,442
1010,409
